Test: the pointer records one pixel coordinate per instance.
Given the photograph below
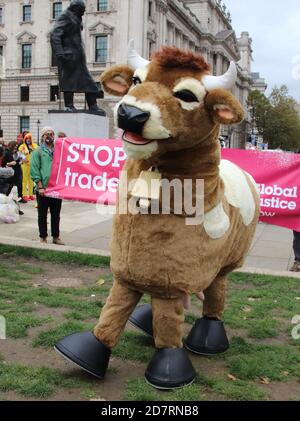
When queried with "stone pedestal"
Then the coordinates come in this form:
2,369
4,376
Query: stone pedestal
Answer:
79,124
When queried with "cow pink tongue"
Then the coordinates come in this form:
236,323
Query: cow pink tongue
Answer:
135,138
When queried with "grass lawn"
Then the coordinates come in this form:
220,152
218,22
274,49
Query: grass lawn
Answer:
46,295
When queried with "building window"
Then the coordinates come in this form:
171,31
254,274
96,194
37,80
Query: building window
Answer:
53,59
102,5
2,70
24,124
1,15
54,93
24,93
26,56
150,9
101,49
27,13
150,48
57,9
215,58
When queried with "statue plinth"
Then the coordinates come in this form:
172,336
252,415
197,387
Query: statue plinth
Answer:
82,124
100,112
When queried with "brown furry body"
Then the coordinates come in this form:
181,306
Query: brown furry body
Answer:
161,255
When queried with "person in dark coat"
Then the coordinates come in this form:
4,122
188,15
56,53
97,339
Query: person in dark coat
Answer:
13,159
68,47
5,173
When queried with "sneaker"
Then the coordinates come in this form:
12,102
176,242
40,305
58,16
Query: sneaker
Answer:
44,240
295,267
70,109
26,198
58,242
32,197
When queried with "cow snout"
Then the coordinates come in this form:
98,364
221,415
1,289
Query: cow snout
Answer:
132,119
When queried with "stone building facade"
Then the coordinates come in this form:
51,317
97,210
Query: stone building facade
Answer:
30,87
258,83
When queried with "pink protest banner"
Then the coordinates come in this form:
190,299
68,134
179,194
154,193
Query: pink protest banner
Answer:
89,169
86,170
278,177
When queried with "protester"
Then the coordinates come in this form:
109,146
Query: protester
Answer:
5,173
40,170
61,135
26,149
296,247
13,159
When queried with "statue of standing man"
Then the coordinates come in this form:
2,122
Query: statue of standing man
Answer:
67,45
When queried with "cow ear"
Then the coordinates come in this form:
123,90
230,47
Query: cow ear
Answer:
224,107
117,80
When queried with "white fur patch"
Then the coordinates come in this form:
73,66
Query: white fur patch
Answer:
142,73
189,106
196,87
237,190
216,222
140,152
154,128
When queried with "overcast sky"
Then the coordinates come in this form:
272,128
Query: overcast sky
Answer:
274,26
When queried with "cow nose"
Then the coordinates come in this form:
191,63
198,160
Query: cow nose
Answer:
132,119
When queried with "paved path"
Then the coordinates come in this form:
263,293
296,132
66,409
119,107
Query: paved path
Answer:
85,229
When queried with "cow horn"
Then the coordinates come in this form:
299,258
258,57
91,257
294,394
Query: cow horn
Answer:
227,81
133,58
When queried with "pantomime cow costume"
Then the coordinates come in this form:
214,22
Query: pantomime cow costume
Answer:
171,111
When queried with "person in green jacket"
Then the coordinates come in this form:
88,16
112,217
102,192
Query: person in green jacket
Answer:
40,170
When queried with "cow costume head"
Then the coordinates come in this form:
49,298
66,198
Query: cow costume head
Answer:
171,103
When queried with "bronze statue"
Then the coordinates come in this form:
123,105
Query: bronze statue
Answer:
67,45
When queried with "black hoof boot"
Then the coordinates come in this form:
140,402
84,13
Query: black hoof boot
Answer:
141,318
86,351
207,337
170,368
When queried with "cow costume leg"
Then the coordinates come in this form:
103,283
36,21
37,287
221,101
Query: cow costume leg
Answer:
208,335
115,313
92,351
213,305
170,367
168,318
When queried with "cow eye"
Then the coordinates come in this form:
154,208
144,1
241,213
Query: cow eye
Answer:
136,80
186,96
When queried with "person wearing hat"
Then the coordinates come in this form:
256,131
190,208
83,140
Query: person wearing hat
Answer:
27,148
40,170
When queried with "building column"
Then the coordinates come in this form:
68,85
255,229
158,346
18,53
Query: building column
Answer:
219,64
161,9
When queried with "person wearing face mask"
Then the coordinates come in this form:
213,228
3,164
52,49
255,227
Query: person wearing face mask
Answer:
27,148
67,45
40,170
